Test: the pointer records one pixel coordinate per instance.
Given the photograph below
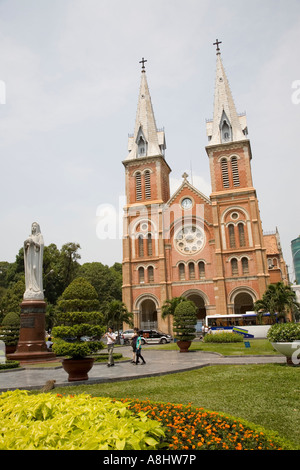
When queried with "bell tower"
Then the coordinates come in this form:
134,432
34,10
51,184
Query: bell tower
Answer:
239,248
147,190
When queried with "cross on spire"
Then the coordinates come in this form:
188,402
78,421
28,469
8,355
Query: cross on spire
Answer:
143,62
217,44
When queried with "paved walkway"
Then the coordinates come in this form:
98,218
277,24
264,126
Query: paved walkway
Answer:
158,362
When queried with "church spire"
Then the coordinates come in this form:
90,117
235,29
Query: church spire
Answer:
226,125
146,141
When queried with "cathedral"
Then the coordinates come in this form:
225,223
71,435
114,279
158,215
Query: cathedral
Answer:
209,249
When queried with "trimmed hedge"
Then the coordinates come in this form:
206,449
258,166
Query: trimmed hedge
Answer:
223,337
9,365
284,332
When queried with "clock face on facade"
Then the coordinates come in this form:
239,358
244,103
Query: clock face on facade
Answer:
186,203
189,240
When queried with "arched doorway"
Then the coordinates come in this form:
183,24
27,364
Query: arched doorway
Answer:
148,314
200,303
243,302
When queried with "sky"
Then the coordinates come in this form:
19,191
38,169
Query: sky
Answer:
71,73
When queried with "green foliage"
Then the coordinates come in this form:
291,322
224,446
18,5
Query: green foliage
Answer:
10,329
223,337
284,332
9,365
278,298
169,306
76,350
185,319
76,324
81,289
11,319
116,313
106,280
49,422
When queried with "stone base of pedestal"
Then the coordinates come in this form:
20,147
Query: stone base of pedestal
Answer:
32,346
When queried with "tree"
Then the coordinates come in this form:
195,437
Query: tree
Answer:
278,299
68,262
185,319
107,281
78,316
116,314
169,306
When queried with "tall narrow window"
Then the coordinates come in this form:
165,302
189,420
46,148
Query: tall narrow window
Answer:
191,271
224,167
231,236
234,267
138,186
235,171
149,244
147,185
181,269
245,266
241,234
150,274
141,245
141,275
201,270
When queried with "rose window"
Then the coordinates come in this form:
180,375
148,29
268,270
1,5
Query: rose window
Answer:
189,240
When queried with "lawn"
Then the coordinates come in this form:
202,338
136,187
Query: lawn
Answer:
261,347
267,395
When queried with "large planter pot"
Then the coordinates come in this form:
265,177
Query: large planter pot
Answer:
10,349
78,368
290,350
184,346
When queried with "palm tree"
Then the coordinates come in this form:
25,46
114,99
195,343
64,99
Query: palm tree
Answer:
116,314
278,299
169,306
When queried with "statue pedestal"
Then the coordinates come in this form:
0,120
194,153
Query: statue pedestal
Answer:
32,346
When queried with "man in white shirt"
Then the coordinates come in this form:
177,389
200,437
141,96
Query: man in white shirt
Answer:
111,338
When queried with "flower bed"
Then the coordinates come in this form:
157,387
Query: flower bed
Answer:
64,422
188,428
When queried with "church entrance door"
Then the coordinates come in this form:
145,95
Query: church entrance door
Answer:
148,315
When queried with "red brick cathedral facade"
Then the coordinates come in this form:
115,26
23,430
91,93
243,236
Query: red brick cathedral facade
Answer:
211,250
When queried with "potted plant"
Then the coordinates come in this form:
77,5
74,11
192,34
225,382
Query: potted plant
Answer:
80,328
10,332
185,319
285,338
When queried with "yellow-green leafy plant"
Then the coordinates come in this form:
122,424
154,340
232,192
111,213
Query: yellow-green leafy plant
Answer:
55,422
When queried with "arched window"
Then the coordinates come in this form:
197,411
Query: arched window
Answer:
149,244
191,271
138,186
150,274
231,236
241,234
245,266
147,185
181,269
224,168
201,266
235,171
141,275
141,246
141,147
234,267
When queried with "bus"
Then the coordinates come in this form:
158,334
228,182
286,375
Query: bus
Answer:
246,324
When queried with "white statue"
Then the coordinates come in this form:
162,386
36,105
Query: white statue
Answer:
33,262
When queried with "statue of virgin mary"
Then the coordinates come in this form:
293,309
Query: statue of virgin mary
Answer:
33,263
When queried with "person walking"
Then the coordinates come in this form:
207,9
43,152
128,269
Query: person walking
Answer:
139,350
133,344
111,339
